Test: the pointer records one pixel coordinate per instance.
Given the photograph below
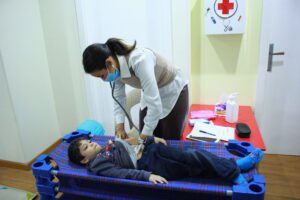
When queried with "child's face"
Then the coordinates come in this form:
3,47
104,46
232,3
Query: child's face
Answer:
89,150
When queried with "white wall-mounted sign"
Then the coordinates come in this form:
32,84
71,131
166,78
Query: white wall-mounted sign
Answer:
224,16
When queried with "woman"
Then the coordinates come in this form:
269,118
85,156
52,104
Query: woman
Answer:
164,102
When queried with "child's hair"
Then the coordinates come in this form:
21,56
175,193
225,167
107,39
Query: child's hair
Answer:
74,151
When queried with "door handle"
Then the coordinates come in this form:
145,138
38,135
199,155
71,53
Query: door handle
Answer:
271,54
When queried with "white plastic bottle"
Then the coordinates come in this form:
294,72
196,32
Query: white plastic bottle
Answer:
232,109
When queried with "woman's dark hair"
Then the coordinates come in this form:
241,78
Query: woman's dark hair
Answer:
74,151
94,56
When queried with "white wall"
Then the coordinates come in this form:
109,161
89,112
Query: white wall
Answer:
181,36
10,148
64,60
27,73
44,89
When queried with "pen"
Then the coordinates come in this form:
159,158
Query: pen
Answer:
207,133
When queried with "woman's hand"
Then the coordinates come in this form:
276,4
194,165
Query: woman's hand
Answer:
132,141
157,179
121,134
160,140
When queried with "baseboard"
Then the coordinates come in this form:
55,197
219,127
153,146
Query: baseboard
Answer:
27,166
15,165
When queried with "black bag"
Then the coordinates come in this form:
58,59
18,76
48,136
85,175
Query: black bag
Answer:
243,130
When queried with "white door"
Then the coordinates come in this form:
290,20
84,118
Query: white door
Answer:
277,106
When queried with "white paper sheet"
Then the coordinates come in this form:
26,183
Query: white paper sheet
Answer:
212,131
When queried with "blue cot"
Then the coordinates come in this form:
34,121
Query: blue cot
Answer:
57,178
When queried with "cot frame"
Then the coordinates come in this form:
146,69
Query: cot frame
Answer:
48,186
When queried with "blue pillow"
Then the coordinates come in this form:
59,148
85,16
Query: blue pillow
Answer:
93,126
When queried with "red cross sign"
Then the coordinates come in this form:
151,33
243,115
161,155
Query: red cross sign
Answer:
225,8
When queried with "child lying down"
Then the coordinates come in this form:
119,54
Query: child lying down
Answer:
152,160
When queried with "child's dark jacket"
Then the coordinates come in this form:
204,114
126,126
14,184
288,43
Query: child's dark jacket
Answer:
117,163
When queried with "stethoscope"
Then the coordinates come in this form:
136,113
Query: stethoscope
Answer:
112,86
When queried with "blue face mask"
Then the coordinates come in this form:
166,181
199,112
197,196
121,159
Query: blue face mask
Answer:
112,76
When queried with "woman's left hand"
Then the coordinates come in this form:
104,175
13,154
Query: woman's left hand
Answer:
121,134
132,141
160,140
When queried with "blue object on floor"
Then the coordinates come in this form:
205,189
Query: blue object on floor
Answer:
92,126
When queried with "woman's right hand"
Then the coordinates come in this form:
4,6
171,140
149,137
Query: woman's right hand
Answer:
157,179
121,134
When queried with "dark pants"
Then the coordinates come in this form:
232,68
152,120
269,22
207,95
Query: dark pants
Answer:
172,163
171,127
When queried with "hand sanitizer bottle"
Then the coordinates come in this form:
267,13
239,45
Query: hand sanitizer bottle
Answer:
232,109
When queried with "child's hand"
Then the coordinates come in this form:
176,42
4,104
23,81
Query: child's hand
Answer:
160,140
110,142
157,179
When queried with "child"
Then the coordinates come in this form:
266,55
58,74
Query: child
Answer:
151,160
